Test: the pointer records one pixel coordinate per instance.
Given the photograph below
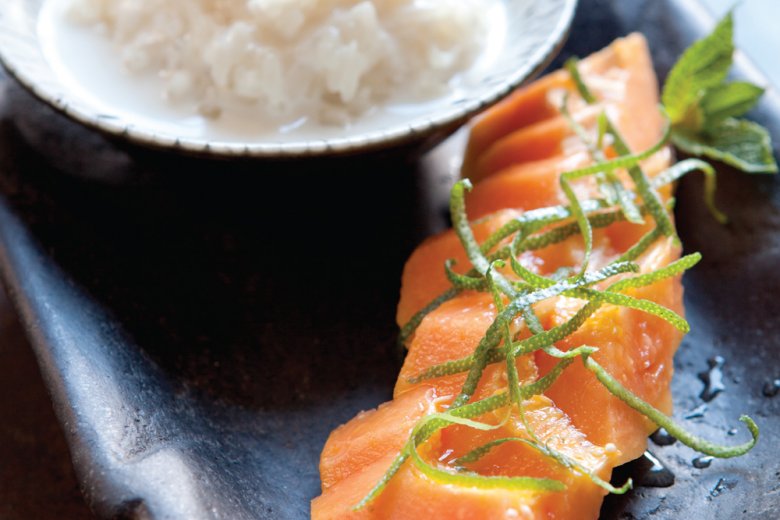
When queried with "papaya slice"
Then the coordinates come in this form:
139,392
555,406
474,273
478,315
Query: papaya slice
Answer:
412,494
622,79
515,156
636,348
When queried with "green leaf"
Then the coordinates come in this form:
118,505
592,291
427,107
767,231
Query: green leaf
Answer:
703,66
737,142
729,100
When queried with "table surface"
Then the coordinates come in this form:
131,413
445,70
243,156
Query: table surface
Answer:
36,477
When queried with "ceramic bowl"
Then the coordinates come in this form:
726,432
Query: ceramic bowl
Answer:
528,36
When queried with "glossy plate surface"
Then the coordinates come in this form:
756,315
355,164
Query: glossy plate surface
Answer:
202,328
65,78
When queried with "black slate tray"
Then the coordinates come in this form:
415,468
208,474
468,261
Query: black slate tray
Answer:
203,325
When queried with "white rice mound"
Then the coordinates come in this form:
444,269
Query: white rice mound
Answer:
326,60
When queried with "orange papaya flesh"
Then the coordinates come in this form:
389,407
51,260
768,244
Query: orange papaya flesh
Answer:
620,76
412,494
372,435
516,153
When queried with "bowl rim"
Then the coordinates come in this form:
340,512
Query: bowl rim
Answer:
397,135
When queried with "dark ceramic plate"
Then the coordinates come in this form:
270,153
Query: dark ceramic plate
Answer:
203,325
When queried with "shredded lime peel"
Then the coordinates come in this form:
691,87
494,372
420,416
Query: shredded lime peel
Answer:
515,298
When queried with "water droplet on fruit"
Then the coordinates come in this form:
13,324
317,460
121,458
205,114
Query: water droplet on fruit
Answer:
446,455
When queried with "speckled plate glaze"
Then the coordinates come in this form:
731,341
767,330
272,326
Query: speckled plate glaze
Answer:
535,32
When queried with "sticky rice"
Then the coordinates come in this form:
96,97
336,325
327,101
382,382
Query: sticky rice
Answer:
329,61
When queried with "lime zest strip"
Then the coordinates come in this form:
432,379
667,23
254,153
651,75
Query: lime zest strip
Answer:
562,459
611,186
473,480
645,190
514,307
463,282
664,421
560,332
627,160
682,168
534,242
